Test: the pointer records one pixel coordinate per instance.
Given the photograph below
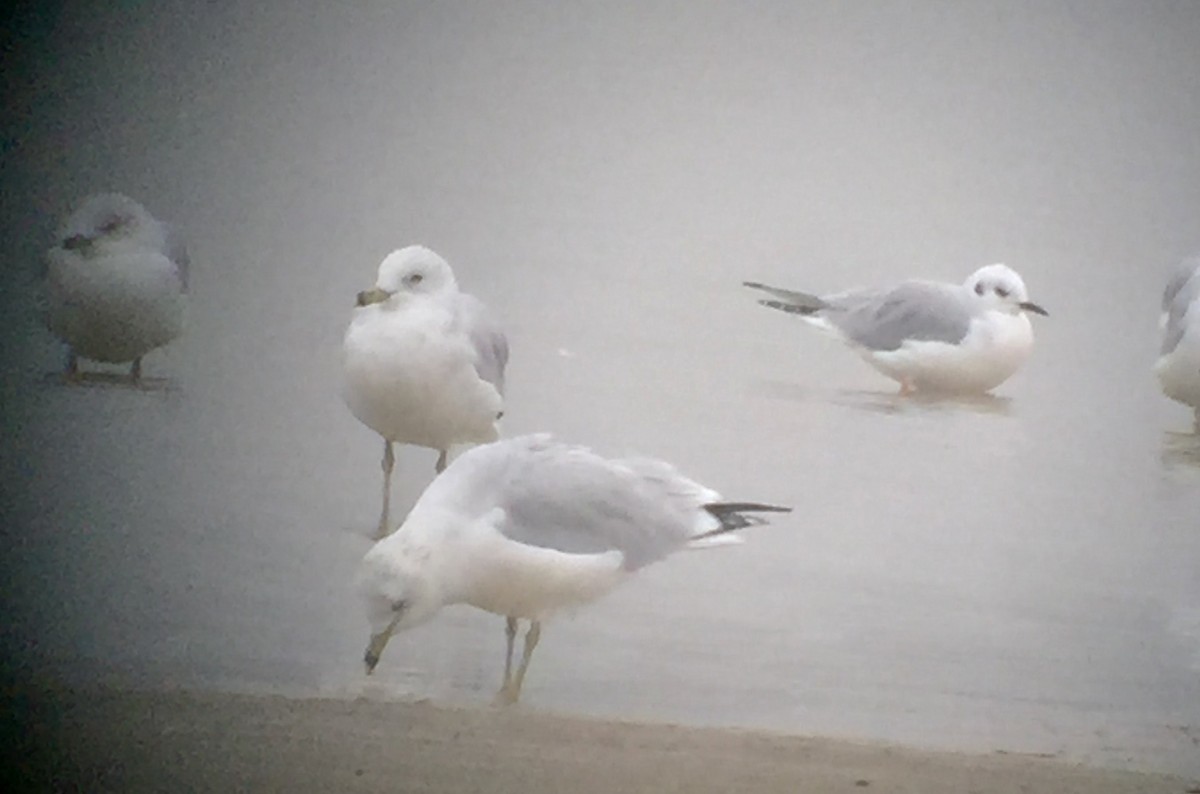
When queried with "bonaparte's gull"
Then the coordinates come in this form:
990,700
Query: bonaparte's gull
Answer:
927,335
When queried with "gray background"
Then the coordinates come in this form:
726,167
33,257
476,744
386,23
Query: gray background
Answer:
1018,573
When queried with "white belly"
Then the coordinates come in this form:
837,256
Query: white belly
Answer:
116,307
411,382
529,582
1179,372
990,354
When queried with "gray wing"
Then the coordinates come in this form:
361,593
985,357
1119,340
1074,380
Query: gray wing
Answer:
789,300
569,499
489,341
1184,272
1182,291
176,250
884,320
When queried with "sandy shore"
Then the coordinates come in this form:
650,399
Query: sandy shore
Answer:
192,741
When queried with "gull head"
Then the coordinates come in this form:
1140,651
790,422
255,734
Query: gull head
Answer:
398,596
407,272
1002,289
109,218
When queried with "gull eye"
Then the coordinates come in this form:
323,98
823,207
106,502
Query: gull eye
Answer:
413,279
979,288
1002,292
112,224
399,605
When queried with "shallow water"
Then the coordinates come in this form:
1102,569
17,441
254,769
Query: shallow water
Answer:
1018,573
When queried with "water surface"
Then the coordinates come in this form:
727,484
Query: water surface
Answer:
1018,573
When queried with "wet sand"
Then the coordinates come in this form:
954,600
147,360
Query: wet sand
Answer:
153,741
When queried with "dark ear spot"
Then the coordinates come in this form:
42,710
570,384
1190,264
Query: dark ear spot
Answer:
979,288
112,224
76,242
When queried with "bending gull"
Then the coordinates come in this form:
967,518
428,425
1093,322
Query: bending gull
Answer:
116,283
528,526
927,335
1178,366
422,362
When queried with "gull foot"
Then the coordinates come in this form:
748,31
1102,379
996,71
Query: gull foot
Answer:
507,696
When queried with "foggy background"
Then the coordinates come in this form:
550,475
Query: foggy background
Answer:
1021,573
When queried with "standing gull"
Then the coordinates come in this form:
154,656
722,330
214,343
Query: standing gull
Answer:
927,335
1178,367
116,283
423,363
528,526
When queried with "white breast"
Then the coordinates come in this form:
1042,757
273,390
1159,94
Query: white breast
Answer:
1179,371
516,580
115,306
993,350
410,380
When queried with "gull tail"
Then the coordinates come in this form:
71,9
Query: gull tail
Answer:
801,303
732,516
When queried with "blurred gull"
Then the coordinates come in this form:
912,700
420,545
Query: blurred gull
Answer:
1178,367
116,283
928,336
423,363
528,526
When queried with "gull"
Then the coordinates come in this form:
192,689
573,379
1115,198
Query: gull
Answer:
927,335
529,526
422,362
1178,366
116,283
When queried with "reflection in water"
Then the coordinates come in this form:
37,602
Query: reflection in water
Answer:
884,402
1181,449
785,390
891,401
924,402
109,380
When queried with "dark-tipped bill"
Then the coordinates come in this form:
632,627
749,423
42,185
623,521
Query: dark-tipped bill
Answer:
76,242
372,296
375,649
1033,307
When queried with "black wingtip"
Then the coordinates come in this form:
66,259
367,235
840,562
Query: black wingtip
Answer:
790,308
747,506
734,515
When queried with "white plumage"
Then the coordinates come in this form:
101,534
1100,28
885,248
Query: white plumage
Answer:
926,335
423,363
116,283
1178,366
528,526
